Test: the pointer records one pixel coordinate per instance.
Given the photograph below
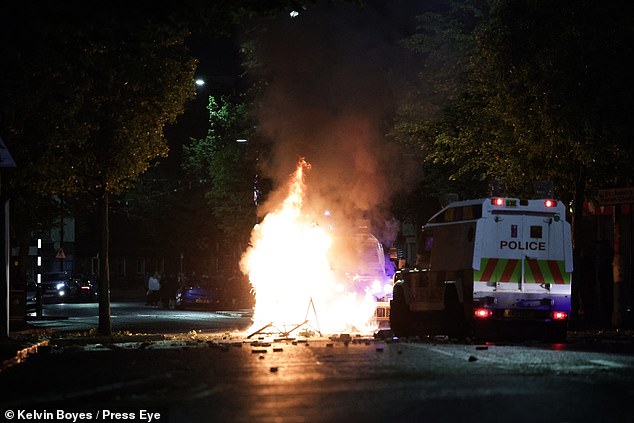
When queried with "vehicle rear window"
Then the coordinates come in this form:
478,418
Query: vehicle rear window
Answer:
455,214
536,231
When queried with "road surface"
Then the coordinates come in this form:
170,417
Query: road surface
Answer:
136,317
221,377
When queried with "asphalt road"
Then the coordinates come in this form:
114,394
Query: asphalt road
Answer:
136,317
216,377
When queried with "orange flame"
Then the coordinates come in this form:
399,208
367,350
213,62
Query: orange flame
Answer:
290,274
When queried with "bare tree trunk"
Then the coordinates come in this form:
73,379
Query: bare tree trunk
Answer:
105,324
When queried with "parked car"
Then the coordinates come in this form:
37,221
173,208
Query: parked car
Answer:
196,294
58,286
88,288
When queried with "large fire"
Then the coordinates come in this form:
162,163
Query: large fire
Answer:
291,275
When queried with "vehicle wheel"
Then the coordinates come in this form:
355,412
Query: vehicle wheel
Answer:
399,313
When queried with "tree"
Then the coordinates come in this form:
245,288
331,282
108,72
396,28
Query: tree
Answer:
166,216
546,99
445,42
90,105
540,92
85,94
225,162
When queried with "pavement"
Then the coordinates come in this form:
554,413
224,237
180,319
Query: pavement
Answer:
28,340
20,344
32,340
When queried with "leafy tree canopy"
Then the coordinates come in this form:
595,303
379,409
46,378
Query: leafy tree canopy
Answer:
545,95
227,167
87,100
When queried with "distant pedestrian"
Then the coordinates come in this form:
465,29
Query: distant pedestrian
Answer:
153,289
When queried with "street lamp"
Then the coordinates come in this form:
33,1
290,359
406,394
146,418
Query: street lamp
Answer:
199,82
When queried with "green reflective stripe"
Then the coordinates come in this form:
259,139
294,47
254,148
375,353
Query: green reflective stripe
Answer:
498,270
497,273
540,271
517,272
562,268
509,270
533,272
477,274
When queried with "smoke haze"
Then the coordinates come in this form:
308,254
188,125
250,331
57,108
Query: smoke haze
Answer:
332,76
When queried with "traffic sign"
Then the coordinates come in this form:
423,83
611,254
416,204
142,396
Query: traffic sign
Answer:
60,254
6,160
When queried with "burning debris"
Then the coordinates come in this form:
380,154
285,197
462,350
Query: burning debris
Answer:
289,264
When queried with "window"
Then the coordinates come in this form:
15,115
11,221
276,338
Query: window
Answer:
536,231
513,231
454,214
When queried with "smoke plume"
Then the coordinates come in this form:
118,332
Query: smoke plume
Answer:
332,76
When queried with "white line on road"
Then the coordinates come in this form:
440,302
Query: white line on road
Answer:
439,351
608,363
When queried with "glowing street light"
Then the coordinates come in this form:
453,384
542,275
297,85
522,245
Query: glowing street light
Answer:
199,82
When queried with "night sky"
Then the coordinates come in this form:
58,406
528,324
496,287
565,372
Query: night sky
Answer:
333,74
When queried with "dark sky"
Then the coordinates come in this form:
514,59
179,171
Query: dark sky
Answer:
348,49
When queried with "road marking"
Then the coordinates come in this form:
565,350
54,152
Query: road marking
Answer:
608,363
460,354
439,351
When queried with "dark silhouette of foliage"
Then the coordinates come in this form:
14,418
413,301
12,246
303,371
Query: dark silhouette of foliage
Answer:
86,102
227,167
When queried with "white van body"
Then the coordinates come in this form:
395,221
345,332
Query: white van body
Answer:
488,261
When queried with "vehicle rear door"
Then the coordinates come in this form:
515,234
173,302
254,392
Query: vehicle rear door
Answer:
500,251
543,257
